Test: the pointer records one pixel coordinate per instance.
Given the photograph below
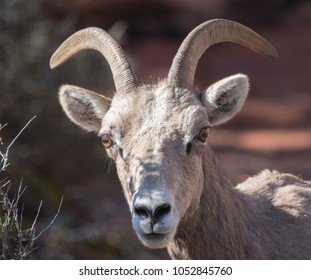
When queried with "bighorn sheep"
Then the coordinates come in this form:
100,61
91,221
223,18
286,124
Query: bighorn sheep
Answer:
157,134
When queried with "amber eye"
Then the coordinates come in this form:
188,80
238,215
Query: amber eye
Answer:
202,136
106,141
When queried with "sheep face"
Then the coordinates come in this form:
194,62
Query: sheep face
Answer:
157,136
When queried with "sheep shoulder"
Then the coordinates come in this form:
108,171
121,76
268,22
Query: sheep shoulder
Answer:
282,191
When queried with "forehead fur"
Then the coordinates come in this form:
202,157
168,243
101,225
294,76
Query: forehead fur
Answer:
155,106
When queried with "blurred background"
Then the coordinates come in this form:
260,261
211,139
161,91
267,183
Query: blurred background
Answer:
55,158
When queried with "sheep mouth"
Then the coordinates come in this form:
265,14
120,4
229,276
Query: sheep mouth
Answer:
156,240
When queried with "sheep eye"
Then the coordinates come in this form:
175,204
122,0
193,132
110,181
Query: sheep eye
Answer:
106,141
202,136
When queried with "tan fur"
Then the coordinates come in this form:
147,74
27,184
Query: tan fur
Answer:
266,217
158,136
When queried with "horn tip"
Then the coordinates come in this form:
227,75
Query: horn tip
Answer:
273,53
276,55
53,62
52,65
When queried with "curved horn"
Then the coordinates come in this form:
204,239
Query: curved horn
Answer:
97,39
185,62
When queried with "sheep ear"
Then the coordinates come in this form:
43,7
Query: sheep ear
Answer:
225,98
84,107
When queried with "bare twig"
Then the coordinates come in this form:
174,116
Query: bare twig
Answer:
16,137
5,156
38,212
53,220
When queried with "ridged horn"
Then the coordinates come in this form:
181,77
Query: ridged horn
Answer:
99,40
182,71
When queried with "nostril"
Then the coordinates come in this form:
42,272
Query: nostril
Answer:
162,210
155,213
141,211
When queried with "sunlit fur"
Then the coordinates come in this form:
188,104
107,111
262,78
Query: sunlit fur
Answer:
159,159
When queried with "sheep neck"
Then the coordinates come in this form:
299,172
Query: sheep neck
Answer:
220,226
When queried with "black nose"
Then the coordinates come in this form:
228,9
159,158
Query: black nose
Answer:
153,213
